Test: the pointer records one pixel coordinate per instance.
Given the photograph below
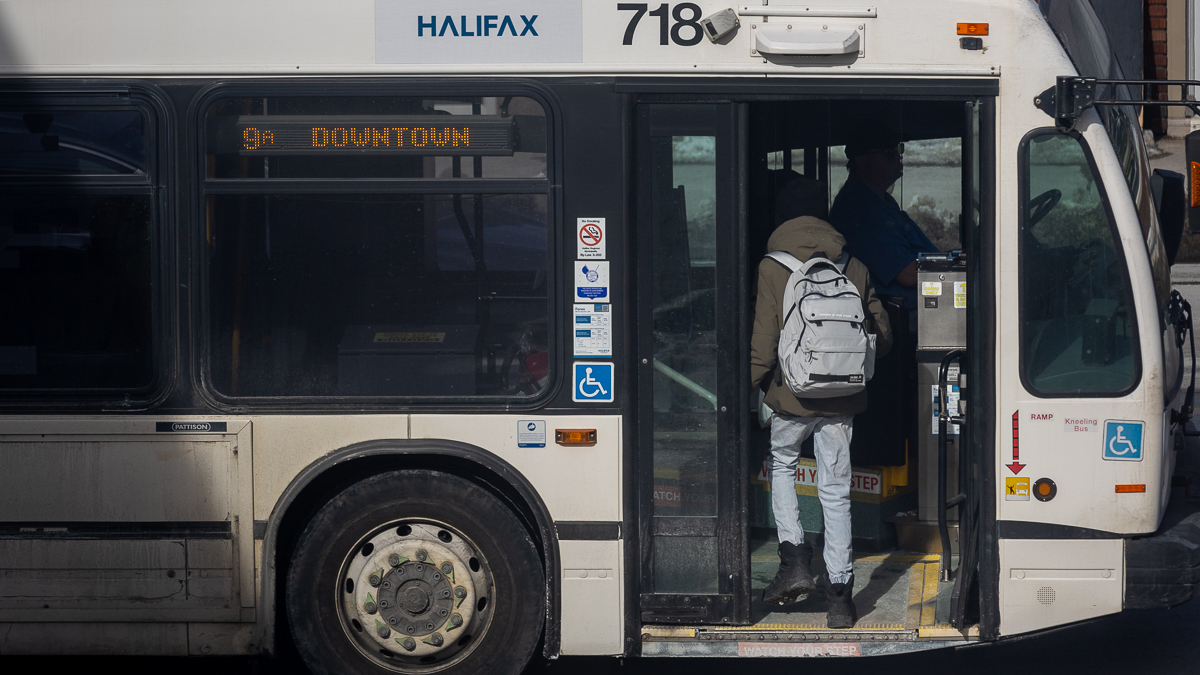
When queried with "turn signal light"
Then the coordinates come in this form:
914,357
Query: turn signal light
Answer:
1139,487
575,436
972,29
1194,180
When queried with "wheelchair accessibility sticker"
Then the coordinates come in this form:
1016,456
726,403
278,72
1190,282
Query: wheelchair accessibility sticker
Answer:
593,382
1123,440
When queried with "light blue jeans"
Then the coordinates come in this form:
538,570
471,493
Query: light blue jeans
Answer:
831,442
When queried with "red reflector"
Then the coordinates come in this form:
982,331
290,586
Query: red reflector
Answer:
575,436
1194,179
1140,487
972,29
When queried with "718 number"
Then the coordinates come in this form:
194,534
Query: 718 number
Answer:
640,9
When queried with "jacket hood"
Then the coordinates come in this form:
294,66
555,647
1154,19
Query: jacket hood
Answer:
806,235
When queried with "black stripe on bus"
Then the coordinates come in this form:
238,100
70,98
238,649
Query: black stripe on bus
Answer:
583,530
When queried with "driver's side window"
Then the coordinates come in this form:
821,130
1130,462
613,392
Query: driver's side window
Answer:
1077,326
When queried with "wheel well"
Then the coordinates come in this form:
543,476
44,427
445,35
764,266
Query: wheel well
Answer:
332,480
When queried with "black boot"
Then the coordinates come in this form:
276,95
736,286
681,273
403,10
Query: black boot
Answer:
793,577
842,613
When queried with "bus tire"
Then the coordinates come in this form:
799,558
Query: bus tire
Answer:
415,572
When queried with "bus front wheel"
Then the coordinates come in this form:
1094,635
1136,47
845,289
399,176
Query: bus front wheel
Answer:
415,572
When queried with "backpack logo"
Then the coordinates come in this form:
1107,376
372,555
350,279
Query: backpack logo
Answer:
824,350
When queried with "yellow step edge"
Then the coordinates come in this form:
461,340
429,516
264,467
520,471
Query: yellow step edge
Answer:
945,630
929,597
668,632
808,627
906,557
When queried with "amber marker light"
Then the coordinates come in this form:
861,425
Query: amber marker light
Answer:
575,436
973,29
1194,179
1139,487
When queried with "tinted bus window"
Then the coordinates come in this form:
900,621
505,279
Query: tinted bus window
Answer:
377,289
1077,330
72,142
75,274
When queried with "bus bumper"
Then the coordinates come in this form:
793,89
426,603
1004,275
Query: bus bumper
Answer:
1163,569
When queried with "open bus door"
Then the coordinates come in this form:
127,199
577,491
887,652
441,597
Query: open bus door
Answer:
691,365
702,214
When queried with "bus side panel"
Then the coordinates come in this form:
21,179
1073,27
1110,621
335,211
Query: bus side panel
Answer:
125,521
579,483
1045,583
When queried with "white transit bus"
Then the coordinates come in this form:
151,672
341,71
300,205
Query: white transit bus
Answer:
411,336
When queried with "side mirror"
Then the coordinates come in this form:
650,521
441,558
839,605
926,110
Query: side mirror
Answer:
1171,201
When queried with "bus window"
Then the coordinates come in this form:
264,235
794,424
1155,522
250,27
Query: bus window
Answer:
75,262
1077,330
377,288
72,142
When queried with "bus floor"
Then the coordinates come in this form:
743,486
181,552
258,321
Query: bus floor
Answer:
895,591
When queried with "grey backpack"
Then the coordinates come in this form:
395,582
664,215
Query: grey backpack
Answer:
825,349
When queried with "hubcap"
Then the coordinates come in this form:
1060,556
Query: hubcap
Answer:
415,595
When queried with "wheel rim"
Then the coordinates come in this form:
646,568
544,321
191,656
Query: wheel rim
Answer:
415,595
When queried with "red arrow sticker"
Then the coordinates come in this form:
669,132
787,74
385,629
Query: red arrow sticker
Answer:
1016,465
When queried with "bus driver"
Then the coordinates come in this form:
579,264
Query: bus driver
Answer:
802,204
877,231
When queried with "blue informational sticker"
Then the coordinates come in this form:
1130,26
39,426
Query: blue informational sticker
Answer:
1123,440
531,433
593,382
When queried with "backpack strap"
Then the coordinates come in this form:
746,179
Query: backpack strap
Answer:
786,259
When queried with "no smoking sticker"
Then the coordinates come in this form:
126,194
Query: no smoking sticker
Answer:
590,239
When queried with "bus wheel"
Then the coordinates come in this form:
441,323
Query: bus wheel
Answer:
415,572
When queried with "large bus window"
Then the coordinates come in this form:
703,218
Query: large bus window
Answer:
1077,328
363,288
75,253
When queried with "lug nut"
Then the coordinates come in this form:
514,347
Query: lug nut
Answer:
460,592
456,620
374,580
392,620
394,560
422,555
409,644
370,607
447,568
435,640
383,631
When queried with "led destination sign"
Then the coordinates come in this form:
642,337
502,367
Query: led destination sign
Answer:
394,135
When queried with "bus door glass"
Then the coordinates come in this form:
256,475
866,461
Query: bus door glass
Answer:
689,437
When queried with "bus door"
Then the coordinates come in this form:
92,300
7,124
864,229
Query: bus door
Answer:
691,363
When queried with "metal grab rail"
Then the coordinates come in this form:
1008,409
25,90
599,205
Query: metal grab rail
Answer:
686,382
944,420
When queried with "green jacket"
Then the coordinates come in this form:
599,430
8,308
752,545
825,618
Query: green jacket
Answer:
802,237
